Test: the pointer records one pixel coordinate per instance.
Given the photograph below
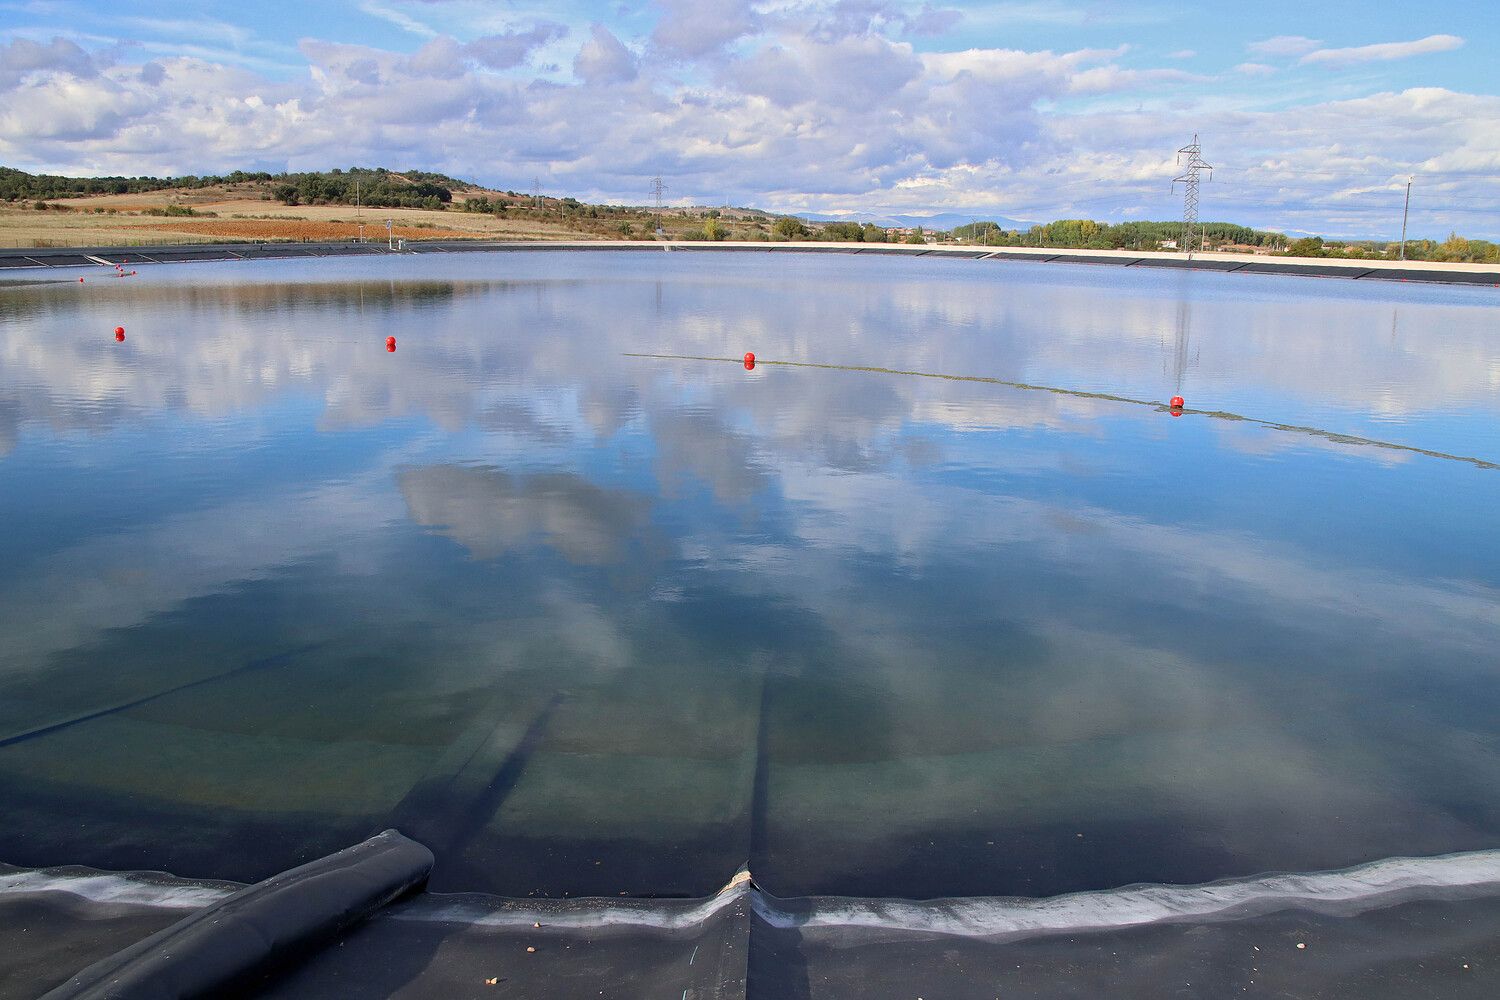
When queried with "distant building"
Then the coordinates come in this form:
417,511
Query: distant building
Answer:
1244,248
1167,245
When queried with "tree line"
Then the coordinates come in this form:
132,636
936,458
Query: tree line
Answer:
790,227
1086,234
373,186
1455,249
18,185
378,187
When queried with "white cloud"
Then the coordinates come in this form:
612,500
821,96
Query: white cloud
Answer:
694,28
1063,13
1109,79
858,73
447,58
933,20
511,48
1284,46
196,29
1035,72
1382,52
399,18
67,109
604,59
793,106
443,57
23,56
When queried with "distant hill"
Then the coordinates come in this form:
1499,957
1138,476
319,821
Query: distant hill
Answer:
378,187
941,222
51,210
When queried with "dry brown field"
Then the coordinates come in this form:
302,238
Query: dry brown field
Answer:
239,212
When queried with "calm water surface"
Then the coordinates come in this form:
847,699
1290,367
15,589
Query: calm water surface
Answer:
587,622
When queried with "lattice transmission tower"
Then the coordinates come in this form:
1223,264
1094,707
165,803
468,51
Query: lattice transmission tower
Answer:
657,187
1191,167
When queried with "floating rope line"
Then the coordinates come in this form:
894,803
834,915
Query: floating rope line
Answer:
1333,436
88,715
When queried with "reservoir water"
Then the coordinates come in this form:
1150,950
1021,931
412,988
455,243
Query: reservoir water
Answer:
937,599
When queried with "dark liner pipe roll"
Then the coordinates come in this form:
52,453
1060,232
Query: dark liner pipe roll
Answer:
259,929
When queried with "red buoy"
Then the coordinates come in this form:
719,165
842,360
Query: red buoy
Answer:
80,281
749,358
119,335
749,364
390,344
1178,402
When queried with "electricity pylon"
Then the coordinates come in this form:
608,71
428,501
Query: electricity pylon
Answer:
1194,153
657,187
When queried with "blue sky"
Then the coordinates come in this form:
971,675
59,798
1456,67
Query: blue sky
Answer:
1314,114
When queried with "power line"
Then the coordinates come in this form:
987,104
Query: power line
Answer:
1386,174
1281,195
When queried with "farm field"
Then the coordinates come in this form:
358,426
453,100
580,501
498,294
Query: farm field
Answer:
239,213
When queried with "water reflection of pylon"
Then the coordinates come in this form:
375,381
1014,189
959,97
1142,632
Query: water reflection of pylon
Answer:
1181,347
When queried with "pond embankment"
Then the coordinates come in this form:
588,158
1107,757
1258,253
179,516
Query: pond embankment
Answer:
1359,270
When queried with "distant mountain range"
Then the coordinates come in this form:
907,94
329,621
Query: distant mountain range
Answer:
943,221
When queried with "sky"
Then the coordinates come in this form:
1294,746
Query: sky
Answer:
1314,115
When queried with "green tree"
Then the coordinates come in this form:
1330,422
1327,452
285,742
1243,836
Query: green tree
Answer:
918,236
979,232
789,227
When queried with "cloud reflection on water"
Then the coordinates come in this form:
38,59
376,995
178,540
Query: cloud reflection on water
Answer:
974,608
489,512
